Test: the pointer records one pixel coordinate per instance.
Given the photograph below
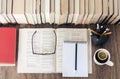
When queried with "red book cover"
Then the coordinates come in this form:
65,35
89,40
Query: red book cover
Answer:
7,45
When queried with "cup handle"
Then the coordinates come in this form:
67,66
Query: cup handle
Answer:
110,63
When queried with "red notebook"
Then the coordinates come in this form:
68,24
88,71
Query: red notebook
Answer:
7,46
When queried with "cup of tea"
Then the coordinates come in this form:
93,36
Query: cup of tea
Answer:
102,57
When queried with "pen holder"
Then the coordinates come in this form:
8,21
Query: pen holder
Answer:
100,35
99,40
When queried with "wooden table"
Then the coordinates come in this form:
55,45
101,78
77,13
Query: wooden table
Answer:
99,72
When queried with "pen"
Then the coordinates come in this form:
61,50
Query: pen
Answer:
98,28
102,29
76,56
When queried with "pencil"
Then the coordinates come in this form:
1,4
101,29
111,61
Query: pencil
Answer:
98,27
103,33
108,33
95,32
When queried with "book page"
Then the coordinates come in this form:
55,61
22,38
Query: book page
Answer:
52,11
104,10
97,11
29,11
76,11
9,11
57,11
110,11
90,11
70,11
47,10
42,10
81,11
63,11
18,11
33,43
67,35
86,12
34,9
38,12
118,17
4,10
115,10
0,6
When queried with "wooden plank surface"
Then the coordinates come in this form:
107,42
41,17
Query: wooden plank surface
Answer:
99,72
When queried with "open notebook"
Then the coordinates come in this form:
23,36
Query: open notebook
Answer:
40,50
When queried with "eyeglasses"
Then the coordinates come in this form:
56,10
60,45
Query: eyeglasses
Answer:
49,53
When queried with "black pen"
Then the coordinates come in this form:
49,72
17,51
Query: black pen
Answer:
75,56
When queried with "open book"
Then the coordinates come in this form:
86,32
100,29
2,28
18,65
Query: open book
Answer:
40,49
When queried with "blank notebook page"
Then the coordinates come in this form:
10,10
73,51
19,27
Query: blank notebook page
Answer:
68,64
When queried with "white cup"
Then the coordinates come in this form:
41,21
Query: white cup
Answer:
107,62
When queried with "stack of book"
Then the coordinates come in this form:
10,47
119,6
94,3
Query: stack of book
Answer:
59,11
